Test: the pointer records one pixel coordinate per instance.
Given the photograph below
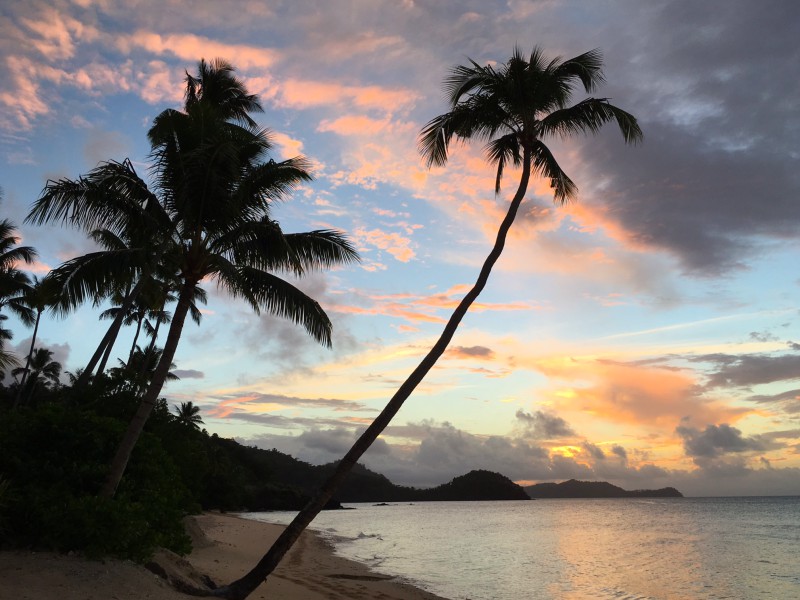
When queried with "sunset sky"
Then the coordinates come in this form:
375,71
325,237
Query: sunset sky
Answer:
647,334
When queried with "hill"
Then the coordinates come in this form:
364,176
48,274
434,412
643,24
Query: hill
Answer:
476,485
594,489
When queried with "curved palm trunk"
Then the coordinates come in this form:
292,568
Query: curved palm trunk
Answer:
28,360
111,334
240,589
148,401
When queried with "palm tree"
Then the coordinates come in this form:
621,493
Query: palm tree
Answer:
215,190
37,297
12,280
7,359
189,415
118,211
515,109
41,371
137,373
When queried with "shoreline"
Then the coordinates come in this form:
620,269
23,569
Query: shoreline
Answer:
225,548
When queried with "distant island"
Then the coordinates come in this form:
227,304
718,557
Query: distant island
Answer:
594,489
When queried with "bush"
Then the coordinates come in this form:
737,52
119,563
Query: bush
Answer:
55,461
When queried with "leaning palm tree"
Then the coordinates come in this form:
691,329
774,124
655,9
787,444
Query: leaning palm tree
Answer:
188,415
515,108
215,188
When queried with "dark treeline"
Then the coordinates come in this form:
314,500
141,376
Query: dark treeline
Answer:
54,452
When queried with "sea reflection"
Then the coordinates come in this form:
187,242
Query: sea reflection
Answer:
625,549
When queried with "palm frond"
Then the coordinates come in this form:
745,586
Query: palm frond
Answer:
589,116
545,164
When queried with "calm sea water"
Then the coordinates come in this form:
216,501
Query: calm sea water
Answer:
625,549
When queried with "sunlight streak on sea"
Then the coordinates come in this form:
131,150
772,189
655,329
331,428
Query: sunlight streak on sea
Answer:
624,549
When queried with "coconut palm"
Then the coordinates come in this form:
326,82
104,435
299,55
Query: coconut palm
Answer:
515,108
37,297
119,213
7,359
137,373
12,280
42,371
188,414
215,186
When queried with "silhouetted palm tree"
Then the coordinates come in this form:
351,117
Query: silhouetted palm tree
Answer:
118,211
37,297
7,359
137,373
42,371
515,109
188,414
12,280
215,188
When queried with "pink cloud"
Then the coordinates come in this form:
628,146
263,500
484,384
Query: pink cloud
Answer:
297,93
393,243
194,47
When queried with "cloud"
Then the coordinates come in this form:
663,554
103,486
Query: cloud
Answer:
189,374
752,369
397,245
544,426
189,47
788,401
231,404
629,393
716,176
481,352
716,440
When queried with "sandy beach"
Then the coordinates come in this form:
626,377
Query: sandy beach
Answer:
225,547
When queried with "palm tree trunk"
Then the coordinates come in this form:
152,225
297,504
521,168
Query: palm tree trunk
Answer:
148,401
109,346
18,397
135,337
241,588
111,334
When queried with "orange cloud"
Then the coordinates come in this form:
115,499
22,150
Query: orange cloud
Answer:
297,93
394,243
628,393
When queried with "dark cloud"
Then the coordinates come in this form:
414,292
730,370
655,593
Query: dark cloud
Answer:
544,426
716,440
595,452
717,174
471,352
788,401
752,369
619,451
763,336
189,374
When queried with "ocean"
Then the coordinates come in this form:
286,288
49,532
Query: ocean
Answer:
622,549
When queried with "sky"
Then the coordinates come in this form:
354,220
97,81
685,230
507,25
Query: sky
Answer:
646,334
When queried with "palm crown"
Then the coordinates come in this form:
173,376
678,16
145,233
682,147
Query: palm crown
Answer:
520,104
205,216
